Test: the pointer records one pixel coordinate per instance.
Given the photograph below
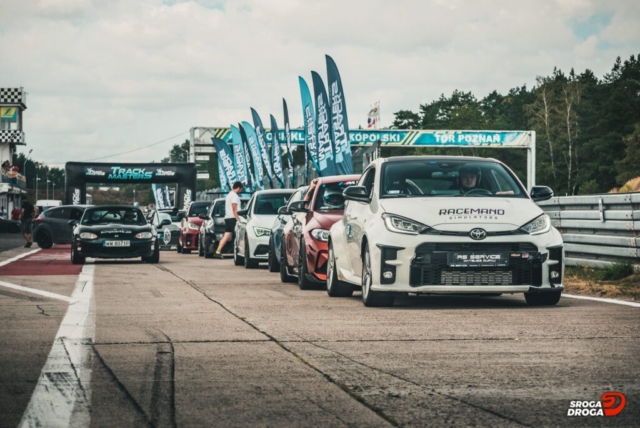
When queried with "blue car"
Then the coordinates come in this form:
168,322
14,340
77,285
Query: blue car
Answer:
275,241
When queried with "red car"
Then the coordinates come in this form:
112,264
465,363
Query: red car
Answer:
305,252
190,226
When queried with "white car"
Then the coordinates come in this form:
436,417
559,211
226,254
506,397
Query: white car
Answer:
251,245
422,224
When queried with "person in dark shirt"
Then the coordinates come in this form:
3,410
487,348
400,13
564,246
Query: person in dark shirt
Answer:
27,212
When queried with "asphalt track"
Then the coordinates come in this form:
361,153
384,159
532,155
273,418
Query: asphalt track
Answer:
200,342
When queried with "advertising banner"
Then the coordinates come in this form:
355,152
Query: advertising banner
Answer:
420,138
247,158
239,159
325,151
276,152
309,119
256,156
226,169
167,198
262,142
339,122
287,139
158,196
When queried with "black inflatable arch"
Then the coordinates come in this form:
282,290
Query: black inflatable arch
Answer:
78,174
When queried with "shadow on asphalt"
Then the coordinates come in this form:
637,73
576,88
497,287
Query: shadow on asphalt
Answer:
433,302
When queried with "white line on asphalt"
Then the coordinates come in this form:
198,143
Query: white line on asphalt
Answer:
18,257
602,299
36,291
62,397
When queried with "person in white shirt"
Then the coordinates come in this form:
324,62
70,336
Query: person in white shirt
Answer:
231,207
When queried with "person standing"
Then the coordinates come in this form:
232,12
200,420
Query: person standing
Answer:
231,207
26,218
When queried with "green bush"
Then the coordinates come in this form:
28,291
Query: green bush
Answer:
617,270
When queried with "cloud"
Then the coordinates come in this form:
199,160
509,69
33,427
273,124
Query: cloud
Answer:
104,77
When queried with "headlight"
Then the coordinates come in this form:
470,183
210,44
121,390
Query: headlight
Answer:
320,234
398,224
87,235
262,231
193,226
540,225
144,235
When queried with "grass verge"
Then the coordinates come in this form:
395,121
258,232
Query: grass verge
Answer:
618,281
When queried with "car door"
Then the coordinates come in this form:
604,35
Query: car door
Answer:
355,222
59,223
241,228
65,232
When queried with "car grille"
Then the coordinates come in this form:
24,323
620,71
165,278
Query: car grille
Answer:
430,265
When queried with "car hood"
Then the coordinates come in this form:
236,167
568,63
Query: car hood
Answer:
263,220
454,213
114,230
326,219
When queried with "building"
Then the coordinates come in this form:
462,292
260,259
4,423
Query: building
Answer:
12,181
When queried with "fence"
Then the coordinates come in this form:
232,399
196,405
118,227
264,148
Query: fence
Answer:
598,230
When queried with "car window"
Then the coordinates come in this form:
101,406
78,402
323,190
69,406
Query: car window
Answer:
297,195
329,196
75,214
130,216
196,209
367,180
432,178
268,203
55,213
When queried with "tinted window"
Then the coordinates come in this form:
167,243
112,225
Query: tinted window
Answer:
132,216
75,214
448,178
57,213
268,204
196,209
329,196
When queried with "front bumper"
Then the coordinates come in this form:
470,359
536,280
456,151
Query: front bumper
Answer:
317,258
96,249
420,264
190,240
258,245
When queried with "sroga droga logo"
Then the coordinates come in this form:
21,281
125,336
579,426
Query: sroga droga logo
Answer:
610,404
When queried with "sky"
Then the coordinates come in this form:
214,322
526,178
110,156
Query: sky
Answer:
105,77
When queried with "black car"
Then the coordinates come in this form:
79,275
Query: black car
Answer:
275,240
114,232
52,226
166,228
11,226
212,228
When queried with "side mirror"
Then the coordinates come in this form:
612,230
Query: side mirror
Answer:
283,210
299,207
356,193
204,217
243,213
541,193
72,223
165,222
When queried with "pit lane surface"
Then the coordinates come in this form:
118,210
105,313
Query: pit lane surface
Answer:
200,342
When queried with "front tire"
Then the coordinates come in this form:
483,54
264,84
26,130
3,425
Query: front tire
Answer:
76,258
284,271
274,265
208,246
249,263
370,298
237,259
303,282
155,258
44,240
200,248
335,287
543,299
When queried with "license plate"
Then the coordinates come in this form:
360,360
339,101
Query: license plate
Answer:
478,259
117,243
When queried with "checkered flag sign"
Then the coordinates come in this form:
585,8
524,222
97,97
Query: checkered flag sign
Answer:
10,95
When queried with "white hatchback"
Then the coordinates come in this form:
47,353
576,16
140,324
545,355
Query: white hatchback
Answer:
444,225
251,245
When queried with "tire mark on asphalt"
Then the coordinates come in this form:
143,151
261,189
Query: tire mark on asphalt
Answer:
165,361
393,375
379,412
136,406
42,312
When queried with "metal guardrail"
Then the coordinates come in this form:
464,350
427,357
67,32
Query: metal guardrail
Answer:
598,230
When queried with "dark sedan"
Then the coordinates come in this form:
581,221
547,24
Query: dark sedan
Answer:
275,240
114,232
212,228
52,226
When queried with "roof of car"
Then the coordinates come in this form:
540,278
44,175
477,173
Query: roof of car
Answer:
339,178
271,191
114,206
438,158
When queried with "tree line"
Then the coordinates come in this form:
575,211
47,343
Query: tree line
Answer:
587,128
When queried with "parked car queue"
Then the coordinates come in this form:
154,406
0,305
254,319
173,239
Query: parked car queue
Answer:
408,225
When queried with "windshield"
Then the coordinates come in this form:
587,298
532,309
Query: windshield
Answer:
330,197
130,216
268,204
196,209
164,216
422,178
